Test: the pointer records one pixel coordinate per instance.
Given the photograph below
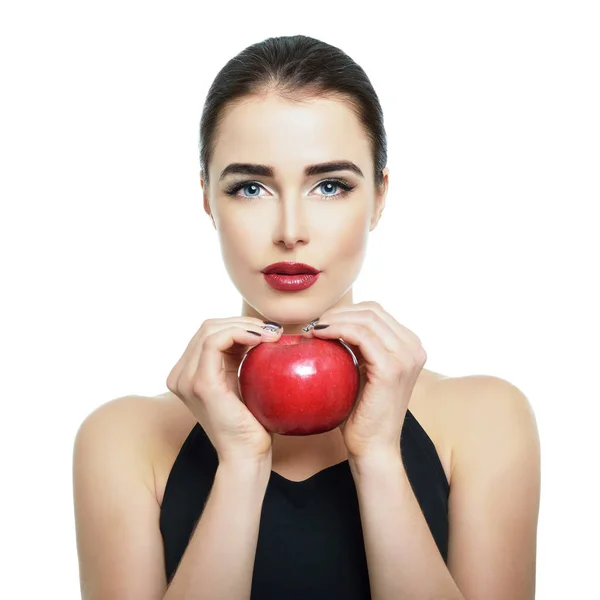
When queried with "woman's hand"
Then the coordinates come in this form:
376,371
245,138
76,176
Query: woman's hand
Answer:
206,380
390,358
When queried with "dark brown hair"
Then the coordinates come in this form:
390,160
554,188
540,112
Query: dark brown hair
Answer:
295,67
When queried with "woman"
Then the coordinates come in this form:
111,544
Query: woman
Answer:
430,489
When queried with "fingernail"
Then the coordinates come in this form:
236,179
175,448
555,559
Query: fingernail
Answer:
320,326
272,323
271,329
310,326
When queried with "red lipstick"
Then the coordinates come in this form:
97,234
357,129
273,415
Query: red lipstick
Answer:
290,276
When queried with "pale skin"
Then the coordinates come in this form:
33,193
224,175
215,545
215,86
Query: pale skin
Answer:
483,427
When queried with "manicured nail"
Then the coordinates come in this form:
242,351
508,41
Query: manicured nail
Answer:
254,332
271,329
272,323
319,326
310,325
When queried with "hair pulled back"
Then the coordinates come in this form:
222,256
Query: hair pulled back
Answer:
295,67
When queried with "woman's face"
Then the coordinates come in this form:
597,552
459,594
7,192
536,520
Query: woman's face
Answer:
288,216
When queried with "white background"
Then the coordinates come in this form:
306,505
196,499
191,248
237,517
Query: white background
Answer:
488,247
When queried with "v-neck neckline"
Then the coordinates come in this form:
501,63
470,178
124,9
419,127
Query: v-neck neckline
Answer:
303,483
302,494
307,481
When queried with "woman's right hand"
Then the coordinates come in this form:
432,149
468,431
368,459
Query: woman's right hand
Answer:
205,379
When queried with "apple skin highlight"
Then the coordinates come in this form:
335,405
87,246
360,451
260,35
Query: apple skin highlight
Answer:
299,385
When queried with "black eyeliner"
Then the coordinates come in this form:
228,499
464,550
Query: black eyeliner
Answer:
237,186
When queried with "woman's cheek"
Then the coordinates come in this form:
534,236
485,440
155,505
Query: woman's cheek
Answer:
352,237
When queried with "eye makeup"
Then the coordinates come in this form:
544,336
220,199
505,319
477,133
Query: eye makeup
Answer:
346,188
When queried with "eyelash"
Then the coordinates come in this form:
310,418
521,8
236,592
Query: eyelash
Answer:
346,188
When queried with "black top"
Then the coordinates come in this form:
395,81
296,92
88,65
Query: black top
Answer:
310,542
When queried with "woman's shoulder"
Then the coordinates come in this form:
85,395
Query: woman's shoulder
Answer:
440,404
165,424
459,413
151,429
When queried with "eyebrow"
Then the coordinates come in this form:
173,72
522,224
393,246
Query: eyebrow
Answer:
266,171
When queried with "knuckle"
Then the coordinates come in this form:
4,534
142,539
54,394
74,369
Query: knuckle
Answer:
171,384
206,327
415,337
374,316
173,379
210,341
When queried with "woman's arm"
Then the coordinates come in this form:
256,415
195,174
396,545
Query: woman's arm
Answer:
493,508
402,556
219,560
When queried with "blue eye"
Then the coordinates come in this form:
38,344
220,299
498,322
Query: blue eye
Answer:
234,188
346,188
249,186
254,185
329,183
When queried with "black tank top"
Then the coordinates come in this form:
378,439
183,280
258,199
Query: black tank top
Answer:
310,542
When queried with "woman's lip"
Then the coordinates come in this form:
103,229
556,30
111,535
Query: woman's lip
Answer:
290,283
290,268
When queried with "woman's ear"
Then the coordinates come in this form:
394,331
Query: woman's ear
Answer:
205,199
380,198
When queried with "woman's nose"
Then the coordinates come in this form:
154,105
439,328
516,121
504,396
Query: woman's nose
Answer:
291,225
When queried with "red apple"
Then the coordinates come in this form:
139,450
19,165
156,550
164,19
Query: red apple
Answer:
299,385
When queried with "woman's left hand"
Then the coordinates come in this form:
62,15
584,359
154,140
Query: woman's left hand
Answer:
390,358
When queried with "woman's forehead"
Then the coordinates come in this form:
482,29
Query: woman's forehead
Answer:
271,130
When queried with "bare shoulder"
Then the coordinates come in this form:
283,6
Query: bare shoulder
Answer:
467,411
114,494
453,411
153,427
